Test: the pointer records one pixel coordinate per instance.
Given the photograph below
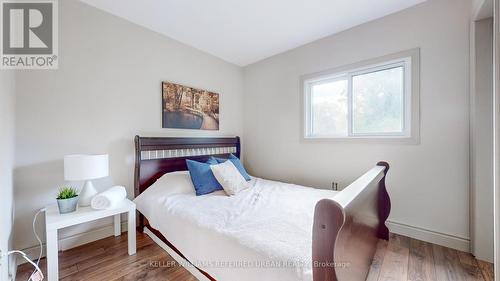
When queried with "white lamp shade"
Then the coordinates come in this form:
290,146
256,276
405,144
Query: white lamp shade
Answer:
85,167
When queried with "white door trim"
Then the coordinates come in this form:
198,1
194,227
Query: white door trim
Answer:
496,87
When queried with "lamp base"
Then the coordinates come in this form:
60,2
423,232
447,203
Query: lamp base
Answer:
86,194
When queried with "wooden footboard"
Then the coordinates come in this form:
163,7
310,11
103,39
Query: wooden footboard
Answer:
346,230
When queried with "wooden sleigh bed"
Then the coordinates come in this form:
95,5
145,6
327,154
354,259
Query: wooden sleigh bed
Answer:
345,230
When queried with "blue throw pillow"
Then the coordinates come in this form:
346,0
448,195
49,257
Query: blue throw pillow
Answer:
203,179
211,161
237,163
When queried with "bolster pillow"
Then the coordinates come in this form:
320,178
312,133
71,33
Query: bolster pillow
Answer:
109,198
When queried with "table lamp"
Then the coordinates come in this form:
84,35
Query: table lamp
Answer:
86,168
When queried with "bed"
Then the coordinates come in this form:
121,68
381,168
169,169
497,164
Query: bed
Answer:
271,231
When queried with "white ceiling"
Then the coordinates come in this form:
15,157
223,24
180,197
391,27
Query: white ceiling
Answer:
246,31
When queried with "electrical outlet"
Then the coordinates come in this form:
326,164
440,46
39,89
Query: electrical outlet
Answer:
12,261
335,185
8,265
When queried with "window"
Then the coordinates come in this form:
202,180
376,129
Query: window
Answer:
377,99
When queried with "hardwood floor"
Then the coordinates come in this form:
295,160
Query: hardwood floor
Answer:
407,259
400,259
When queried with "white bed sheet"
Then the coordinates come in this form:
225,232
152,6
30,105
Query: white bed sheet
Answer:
263,233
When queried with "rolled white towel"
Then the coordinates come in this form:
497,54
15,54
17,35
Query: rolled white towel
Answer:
109,198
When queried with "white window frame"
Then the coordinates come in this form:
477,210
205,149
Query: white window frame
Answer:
409,60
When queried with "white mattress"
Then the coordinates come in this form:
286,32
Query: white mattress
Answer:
263,233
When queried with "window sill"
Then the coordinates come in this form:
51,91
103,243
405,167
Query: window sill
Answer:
414,140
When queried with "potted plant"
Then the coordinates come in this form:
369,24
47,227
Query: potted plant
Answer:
67,198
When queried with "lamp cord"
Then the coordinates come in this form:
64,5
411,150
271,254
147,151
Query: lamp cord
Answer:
35,265
37,269
39,241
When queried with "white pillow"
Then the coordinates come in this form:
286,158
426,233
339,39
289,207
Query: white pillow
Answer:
174,183
166,185
229,177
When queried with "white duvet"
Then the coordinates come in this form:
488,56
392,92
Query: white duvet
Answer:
269,222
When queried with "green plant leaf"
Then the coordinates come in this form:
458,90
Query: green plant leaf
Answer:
67,192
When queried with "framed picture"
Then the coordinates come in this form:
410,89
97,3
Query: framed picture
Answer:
189,108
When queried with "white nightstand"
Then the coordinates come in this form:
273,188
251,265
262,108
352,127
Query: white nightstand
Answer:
55,221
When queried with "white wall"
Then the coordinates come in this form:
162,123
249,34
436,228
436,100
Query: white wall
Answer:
482,9
429,182
482,139
7,103
107,89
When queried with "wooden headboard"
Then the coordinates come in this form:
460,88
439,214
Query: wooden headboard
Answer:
155,157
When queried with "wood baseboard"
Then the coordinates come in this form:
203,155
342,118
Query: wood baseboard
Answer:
443,239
